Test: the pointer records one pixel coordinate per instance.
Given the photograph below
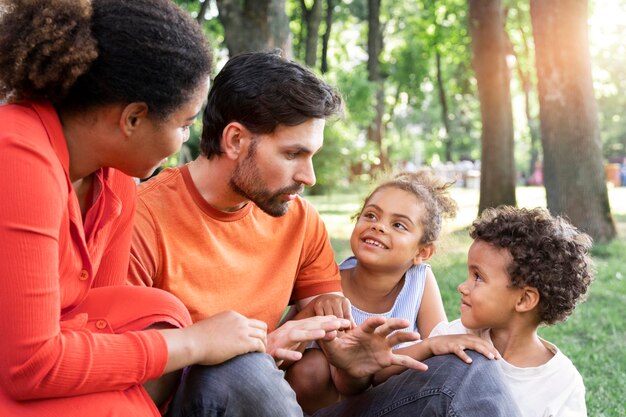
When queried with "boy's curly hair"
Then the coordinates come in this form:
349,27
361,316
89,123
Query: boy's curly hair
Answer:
431,191
548,254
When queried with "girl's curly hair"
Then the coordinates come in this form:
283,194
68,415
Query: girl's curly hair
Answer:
548,253
431,191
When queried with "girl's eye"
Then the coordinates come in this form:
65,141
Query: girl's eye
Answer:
369,215
400,226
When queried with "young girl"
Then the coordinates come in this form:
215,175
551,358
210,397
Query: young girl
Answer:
394,236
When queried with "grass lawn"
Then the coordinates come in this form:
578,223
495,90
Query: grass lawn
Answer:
594,337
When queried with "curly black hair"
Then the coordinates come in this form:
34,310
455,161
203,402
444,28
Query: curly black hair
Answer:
548,253
431,191
262,90
79,54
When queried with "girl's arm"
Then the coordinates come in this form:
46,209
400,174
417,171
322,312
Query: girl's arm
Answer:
431,310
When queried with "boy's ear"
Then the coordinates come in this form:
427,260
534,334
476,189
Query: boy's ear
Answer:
132,116
235,140
528,299
424,253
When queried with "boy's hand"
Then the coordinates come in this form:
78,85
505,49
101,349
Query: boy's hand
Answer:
327,305
457,343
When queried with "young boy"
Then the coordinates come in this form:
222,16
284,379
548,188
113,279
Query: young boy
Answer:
526,269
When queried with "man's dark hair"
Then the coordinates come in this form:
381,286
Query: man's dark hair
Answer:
262,90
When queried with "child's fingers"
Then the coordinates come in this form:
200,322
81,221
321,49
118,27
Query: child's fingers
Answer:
402,337
408,362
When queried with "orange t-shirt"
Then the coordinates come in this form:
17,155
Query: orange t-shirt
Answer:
247,261
63,298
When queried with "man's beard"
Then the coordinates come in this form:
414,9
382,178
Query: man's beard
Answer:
247,182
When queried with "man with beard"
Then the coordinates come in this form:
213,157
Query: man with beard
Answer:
228,232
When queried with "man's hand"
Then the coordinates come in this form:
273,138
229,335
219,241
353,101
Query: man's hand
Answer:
288,341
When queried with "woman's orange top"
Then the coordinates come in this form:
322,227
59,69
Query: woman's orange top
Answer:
69,347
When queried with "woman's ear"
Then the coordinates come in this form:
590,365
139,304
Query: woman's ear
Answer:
528,300
235,140
424,253
132,116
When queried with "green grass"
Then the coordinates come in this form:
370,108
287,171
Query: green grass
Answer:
594,337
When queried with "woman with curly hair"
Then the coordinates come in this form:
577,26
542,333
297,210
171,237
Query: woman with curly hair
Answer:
526,269
95,92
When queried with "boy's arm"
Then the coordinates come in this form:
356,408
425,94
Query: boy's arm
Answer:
440,345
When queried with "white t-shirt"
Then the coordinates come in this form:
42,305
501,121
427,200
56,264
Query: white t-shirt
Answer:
554,389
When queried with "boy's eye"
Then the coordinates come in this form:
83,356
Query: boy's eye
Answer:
477,277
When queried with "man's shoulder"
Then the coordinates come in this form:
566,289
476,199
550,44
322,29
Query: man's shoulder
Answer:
161,185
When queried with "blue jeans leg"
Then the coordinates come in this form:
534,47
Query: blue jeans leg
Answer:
450,387
247,385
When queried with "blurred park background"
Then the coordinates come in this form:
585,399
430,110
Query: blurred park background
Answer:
520,102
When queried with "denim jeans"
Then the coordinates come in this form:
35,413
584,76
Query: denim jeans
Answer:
251,386
449,387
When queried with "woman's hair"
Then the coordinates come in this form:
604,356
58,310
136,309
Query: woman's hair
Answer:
432,193
262,90
548,253
79,54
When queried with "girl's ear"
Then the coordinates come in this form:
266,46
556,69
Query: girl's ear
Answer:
424,253
528,300
235,140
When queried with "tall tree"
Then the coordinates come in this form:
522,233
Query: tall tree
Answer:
573,170
254,25
374,49
330,7
312,17
497,183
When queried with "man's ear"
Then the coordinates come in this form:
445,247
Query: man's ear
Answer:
235,140
424,253
132,116
528,300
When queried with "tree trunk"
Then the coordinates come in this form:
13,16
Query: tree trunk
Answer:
374,48
255,25
445,118
497,182
203,7
312,18
573,168
330,6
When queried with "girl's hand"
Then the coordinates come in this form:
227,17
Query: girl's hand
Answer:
330,304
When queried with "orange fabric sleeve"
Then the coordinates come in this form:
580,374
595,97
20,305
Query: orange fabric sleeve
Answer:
42,356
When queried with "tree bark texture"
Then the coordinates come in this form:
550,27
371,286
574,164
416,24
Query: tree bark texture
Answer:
497,182
255,25
374,49
313,19
573,167
330,6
